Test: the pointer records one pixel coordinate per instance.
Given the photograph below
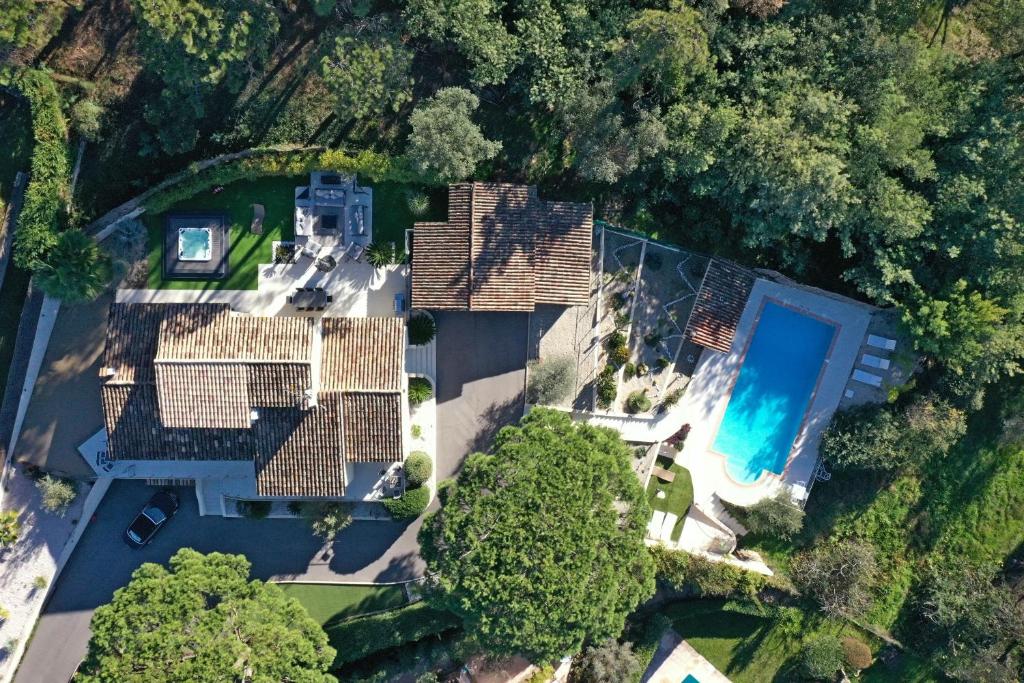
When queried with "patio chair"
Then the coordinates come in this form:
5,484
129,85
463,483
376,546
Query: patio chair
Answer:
874,361
259,212
355,252
869,378
881,342
311,248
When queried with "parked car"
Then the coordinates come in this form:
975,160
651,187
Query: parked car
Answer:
160,508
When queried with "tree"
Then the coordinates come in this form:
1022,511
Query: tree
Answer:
444,141
30,23
822,657
776,516
204,620
552,380
666,50
856,653
57,494
10,527
838,575
76,269
86,118
327,520
418,467
369,75
611,661
762,9
538,547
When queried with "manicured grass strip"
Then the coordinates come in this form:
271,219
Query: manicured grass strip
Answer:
332,603
678,494
356,639
247,250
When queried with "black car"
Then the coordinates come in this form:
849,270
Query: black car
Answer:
160,508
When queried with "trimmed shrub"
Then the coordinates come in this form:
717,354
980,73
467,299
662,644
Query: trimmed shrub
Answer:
551,381
42,214
57,494
358,638
412,504
684,572
856,653
422,329
253,509
420,390
638,402
822,657
416,431
418,468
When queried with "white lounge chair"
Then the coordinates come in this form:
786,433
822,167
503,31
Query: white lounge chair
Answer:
874,361
881,342
654,526
848,393
668,526
868,378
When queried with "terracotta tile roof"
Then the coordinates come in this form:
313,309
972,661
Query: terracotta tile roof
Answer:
502,249
133,331
196,403
362,354
720,302
372,426
192,335
299,451
134,432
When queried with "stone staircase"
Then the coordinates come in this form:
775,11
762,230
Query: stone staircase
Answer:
716,508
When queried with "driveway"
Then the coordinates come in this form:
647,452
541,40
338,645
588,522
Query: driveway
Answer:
481,372
278,549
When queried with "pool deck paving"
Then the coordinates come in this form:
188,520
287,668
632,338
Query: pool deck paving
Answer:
675,659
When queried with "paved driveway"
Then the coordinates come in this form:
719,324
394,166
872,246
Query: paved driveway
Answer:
481,370
277,548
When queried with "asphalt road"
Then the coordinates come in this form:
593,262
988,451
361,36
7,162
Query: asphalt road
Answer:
481,374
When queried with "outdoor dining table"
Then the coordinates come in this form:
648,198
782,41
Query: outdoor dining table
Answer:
309,299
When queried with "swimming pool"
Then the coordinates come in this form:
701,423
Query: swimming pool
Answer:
194,244
774,387
690,679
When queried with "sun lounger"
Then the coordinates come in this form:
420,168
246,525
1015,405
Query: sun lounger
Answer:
654,526
881,342
868,378
356,252
668,526
874,361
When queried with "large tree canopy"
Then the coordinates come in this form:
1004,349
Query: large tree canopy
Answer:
539,545
203,620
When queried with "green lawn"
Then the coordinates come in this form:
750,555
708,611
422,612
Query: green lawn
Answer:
391,218
331,603
678,494
751,649
247,251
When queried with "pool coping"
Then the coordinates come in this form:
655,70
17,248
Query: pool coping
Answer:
837,328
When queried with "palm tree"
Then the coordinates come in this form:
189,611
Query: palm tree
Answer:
76,269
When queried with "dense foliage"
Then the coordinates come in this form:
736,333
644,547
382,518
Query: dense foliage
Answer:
444,142
365,635
203,620
411,504
551,381
776,516
77,269
538,547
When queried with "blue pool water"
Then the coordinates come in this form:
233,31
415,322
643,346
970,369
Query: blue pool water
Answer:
772,392
194,244
690,679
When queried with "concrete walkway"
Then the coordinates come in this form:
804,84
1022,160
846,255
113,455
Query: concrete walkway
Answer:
676,659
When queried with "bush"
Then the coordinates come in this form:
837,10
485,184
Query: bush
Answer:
86,118
418,467
671,398
412,504
4,614
381,254
651,339
838,575
420,390
57,494
607,388
42,212
822,657
551,381
422,329
76,268
416,431
616,338
638,402
628,371
685,572
542,674
40,582
618,355
327,520
253,509
418,203
662,362
856,653
642,369
776,516
610,662
10,527
358,638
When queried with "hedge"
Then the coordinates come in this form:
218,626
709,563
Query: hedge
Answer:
355,639
412,504
47,192
268,161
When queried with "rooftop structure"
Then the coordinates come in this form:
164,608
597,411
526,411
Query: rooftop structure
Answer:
502,249
720,302
299,398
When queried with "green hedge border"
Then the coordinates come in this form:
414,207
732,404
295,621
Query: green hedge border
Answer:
42,214
358,638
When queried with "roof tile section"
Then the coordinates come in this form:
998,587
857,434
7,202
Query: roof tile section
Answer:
372,427
193,334
502,249
203,395
299,451
362,354
720,302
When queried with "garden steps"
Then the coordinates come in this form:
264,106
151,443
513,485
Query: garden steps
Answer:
718,509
